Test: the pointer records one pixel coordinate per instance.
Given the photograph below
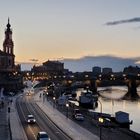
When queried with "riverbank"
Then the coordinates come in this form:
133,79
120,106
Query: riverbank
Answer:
107,133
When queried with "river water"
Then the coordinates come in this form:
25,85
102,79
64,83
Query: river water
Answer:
111,99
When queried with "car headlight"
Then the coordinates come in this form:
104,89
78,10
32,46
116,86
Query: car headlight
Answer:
28,120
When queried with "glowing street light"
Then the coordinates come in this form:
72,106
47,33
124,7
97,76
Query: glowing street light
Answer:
54,101
100,119
67,106
47,95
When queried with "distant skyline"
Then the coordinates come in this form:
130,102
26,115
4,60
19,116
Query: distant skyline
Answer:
87,63
60,29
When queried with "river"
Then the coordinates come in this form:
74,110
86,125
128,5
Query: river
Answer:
111,98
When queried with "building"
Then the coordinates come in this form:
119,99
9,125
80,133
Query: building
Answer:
96,70
7,57
132,70
48,69
9,72
106,70
54,67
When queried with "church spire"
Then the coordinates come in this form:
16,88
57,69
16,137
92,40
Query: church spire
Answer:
8,25
8,43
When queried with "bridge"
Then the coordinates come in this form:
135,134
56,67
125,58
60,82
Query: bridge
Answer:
84,80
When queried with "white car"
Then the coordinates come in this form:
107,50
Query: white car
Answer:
79,117
28,93
31,119
43,136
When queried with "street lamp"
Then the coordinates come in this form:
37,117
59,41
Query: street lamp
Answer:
100,119
47,95
100,106
53,101
100,77
67,106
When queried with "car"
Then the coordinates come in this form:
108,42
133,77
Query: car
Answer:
79,117
11,93
76,111
42,135
28,93
31,119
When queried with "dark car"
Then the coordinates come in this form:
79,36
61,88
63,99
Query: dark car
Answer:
76,111
79,117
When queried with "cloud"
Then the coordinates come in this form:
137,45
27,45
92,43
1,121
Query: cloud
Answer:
34,60
86,63
136,19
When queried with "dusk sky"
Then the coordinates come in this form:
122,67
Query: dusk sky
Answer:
56,29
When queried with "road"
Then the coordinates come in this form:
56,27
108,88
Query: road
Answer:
106,133
25,106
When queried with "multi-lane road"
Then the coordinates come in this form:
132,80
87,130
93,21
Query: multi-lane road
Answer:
25,106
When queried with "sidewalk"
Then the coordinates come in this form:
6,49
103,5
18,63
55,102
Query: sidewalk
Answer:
75,131
4,127
17,130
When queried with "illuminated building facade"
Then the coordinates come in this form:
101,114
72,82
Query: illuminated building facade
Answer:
48,69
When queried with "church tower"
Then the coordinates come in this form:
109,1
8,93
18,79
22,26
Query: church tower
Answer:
8,44
10,74
8,48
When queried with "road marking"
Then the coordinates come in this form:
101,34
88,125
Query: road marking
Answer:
32,132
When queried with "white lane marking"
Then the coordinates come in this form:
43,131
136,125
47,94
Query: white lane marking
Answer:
26,121
32,132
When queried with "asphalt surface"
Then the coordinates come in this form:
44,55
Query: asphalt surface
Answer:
26,106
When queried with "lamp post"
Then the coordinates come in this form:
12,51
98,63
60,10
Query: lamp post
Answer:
100,119
53,102
67,107
100,106
47,95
